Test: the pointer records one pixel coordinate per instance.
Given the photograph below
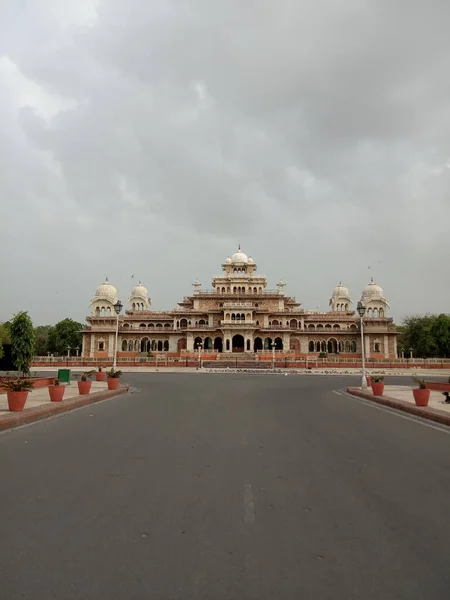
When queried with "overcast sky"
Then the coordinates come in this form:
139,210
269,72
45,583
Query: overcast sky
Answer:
150,138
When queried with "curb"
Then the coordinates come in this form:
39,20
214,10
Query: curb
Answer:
31,415
431,414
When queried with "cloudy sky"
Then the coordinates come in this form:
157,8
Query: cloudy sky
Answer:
150,138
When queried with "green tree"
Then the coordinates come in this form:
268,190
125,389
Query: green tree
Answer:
65,333
428,336
22,342
42,333
5,336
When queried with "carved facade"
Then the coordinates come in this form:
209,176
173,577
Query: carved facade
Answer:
239,314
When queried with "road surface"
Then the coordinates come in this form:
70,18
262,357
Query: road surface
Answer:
226,487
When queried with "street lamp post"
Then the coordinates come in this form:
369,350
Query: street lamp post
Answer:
76,350
361,312
117,307
68,351
199,346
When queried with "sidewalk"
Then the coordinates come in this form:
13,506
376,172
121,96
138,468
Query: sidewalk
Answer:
38,405
401,398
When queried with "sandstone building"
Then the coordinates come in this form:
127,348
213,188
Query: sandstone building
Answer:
239,314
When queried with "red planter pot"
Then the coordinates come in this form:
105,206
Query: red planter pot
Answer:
56,392
84,387
100,376
421,397
16,400
113,383
377,388
369,381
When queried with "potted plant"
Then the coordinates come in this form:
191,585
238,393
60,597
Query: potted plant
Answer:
421,394
56,391
84,385
113,379
100,375
17,389
377,385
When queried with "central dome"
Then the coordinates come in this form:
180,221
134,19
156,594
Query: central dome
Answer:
239,257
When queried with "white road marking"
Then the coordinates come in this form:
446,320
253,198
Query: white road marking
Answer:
397,413
249,505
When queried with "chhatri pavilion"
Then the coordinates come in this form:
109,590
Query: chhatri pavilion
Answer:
239,314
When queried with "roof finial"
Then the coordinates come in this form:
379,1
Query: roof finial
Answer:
239,247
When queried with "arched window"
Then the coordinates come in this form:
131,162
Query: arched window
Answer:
202,322
154,345
101,345
377,347
317,346
130,346
347,346
375,313
227,345
353,346
311,326
381,311
124,345
166,346
328,326
336,326
133,306
319,326
97,311
242,317
255,290
167,325
158,325
311,347
160,346
142,325
183,324
151,325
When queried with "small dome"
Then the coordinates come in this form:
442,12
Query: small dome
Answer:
228,261
239,257
340,291
372,290
106,291
139,291
251,261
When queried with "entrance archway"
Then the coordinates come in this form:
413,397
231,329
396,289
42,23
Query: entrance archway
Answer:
197,342
258,345
181,344
218,344
332,346
278,343
208,344
238,343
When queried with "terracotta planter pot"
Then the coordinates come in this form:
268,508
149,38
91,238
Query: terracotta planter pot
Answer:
113,383
369,381
84,387
421,397
56,392
100,376
377,388
16,400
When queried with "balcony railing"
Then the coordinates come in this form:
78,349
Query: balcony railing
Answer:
238,304
238,323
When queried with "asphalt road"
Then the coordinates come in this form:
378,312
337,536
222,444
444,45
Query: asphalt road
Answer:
226,487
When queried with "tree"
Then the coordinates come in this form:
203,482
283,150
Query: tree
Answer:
42,333
428,336
66,333
22,342
5,336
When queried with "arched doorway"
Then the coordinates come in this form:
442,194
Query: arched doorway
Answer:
249,345
197,342
181,345
258,345
208,344
145,345
278,343
295,346
332,346
238,343
218,344
268,343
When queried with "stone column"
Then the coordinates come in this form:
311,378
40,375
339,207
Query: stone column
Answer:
190,341
92,350
386,346
302,323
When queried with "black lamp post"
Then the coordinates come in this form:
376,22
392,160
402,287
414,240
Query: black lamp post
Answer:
117,307
361,309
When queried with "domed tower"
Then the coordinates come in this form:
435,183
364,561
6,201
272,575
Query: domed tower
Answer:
139,299
340,300
102,304
374,301
239,276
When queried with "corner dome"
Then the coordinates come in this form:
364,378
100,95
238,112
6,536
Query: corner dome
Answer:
139,291
251,261
106,291
340,291
372,290
228,261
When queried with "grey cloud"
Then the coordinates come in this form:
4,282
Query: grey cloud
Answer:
155,136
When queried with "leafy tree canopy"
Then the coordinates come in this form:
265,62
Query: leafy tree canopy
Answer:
428,336
66,333
22,341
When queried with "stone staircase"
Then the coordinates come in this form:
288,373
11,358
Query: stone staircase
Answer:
237,360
